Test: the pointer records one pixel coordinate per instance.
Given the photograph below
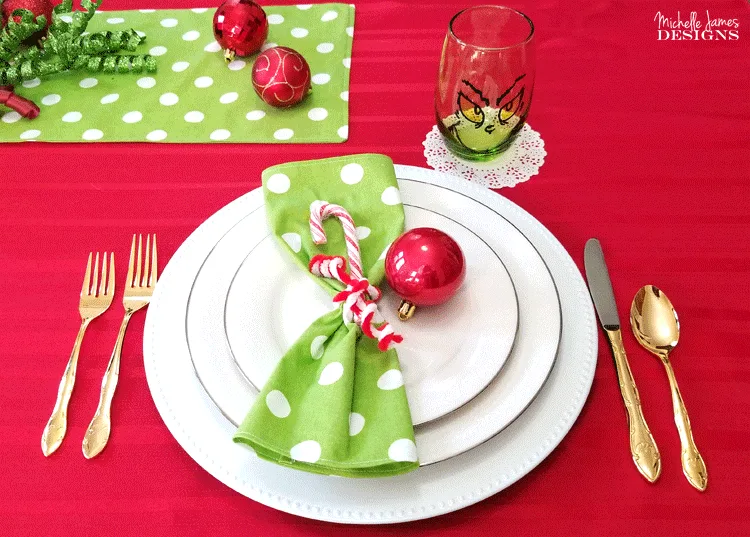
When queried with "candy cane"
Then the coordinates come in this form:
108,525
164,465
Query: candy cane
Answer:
359,296
319,211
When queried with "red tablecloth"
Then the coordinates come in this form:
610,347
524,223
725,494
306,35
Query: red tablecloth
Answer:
648,147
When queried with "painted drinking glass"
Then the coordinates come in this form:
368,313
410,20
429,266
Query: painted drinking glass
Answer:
486,80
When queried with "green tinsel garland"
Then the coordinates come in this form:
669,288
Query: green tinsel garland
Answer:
64,48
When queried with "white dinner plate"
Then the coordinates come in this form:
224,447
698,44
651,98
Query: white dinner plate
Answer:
431,490
494,408
450,352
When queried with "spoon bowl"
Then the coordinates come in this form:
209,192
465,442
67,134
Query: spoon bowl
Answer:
654,321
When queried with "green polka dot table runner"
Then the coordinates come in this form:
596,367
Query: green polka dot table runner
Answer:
335,404
195,97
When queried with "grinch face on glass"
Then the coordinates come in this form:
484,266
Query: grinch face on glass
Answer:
484,119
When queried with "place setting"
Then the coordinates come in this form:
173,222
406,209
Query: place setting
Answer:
356,340
475,340
378,344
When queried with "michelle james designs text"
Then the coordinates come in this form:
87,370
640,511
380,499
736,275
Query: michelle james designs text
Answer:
693,27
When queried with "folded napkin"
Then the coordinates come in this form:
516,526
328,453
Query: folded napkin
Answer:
336,403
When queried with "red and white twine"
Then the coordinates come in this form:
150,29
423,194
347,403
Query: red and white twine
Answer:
359,296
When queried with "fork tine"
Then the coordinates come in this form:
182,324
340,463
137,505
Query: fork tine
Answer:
111,274
154,264
137,282
96,275
146,260
87,277
131,264
103,284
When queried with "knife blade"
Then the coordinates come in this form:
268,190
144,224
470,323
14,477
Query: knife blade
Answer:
600,285
642,445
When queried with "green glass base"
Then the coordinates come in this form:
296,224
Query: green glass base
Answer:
464,152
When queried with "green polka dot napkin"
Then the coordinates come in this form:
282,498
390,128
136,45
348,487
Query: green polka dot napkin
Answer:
194,96
335,403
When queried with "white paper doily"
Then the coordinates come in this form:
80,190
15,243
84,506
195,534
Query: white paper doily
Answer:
516,165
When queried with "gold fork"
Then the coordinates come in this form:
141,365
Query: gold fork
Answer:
139,287
91,305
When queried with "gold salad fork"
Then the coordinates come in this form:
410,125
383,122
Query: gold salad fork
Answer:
139,287
92,304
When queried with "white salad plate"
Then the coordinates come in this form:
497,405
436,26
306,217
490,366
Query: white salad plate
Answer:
464,476
271,302
268,307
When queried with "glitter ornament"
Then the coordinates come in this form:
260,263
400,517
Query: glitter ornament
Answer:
240,27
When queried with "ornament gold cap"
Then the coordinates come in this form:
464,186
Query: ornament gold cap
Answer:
406,310
229,55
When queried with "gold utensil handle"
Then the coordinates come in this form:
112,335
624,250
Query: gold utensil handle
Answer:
54,431
97,434
693,465
642,445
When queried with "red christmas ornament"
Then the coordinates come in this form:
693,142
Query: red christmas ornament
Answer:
240,27
37,7
281,77
425,267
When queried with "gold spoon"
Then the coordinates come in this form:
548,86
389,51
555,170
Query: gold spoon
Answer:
657,329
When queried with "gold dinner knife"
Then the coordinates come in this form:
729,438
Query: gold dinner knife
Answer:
642,445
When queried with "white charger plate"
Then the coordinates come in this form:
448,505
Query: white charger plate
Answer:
206,435
495,407
271,302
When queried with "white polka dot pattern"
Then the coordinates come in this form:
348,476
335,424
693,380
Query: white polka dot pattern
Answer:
318,114
278,183
30,134
229,98
293,240
11,117
403,450
352,173
51,99
255,115
391,380
156,136
220,134
146,82
283,134
184,87
169,99
356,423
307,451
204,82
132,117
92,134
391,196
317,347
331,373
194,116
72,117
278,404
